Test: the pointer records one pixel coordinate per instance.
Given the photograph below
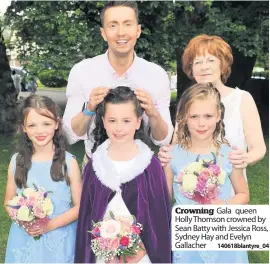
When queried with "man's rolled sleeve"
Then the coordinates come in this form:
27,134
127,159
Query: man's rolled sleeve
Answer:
162,104
75,101
165,114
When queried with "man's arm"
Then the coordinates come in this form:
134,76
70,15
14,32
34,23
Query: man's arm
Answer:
158,112
80,122
76,99
159,128
164,122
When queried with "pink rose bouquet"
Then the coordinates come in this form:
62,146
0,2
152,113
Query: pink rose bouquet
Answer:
31,208
201,180
116,237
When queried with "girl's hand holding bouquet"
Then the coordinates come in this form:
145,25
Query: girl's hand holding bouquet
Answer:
30,209
117,239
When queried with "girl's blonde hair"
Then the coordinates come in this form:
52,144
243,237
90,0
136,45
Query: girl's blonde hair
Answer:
193,93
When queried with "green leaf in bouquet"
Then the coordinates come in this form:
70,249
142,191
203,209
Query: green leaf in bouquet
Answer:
196,173
37,237
112,215
141,248
36,188
130,252
29,213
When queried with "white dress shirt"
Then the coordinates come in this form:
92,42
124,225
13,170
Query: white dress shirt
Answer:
94,72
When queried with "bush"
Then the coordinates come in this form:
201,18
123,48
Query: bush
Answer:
53,78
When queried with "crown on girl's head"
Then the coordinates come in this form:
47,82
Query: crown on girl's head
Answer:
124,82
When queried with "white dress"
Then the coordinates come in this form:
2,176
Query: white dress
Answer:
234,130
117,204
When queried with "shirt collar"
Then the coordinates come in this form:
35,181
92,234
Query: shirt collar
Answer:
129,70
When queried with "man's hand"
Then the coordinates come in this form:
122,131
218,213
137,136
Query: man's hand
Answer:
146,101
97,96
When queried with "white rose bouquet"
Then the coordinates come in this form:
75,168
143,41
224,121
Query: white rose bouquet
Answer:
31,208
201,180
116,237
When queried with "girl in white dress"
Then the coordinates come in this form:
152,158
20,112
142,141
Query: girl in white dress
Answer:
124,177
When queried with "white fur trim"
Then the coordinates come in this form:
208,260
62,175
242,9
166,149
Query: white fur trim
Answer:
106,173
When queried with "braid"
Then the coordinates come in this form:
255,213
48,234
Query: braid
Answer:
199,92
183,135
23,160
99,132
59,166
219,134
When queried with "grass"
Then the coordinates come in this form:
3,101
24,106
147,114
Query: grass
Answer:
257,178
173,95
58,89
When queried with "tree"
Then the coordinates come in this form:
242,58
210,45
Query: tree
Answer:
53,34
7,90
58,34
247,34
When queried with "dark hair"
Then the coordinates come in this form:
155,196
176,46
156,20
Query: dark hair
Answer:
109,4
199,92
119,95
13,72
46,107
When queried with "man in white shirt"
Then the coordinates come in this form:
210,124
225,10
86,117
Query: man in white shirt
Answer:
90,79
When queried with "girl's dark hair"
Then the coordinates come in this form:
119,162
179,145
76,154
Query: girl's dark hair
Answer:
46,107
119,95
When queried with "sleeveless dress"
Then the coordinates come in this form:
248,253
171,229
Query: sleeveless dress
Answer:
117,204
181,158
233,121
56,246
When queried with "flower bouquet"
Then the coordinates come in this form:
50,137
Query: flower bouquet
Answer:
31,208
201,180
116,237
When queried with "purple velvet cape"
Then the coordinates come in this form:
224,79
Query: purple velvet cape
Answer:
146,197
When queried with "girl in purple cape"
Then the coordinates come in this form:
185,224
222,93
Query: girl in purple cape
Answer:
124,177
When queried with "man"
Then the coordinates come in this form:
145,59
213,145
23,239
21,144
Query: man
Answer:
32,85
17,82
90,79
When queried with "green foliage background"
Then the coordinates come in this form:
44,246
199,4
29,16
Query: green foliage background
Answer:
57,34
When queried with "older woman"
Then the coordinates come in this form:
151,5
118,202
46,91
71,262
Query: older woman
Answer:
209,59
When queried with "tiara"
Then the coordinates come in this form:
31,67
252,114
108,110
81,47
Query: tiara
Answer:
124,82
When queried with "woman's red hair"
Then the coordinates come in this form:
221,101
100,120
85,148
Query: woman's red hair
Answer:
212,44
